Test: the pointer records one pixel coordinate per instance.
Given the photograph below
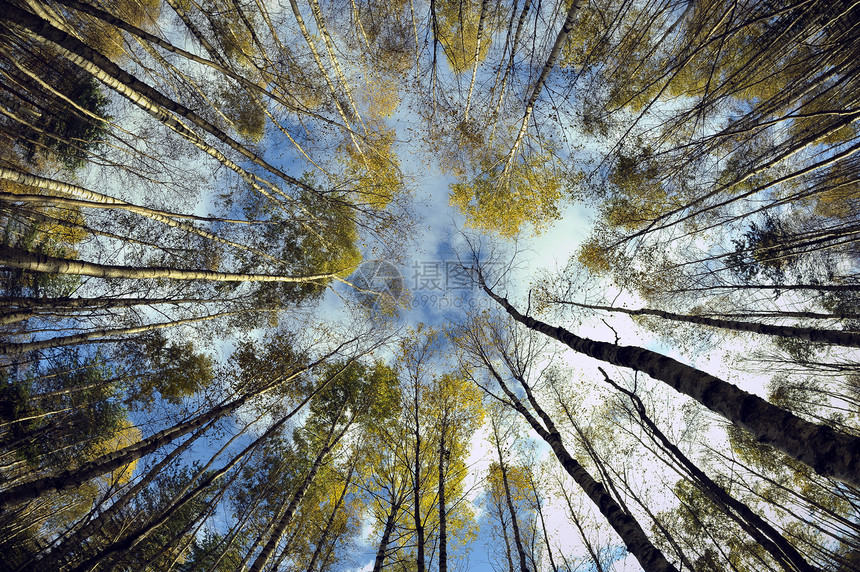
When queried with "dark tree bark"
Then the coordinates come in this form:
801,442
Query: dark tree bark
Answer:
827,452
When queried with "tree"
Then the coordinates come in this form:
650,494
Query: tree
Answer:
767,422
489,343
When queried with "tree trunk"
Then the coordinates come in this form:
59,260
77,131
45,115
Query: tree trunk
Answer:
278,531
76,339
649,557
515,527
836,337
332,54
386,536
334,95
539,507
18,258
147,98
443,525
829,453
57,557
759,529
595,558
480,35
71,478
508,68
90,199
560,40
330,521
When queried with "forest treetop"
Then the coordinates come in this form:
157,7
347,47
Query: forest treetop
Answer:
194,379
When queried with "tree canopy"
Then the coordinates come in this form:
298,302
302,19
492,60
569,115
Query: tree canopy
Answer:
276,291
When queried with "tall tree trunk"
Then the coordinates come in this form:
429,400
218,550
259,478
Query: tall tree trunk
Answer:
649,557
759,529
509,68
278,531
509,557
539,508
90,199
219,65
515,527
595,558
332,89
135,537
63,304
416,485
13,349
836,337
74,477
560,40
443,524
56,557
827,452
386,535
330,521
148,98
479,37
18,258
332,55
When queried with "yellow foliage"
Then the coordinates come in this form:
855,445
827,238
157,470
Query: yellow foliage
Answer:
839,202
57,234
458,33
126,435
108,39
594,257
243,112
529,194
584,42
382,95
375,169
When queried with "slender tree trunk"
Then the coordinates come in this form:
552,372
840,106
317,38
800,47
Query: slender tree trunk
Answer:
25,260
77,339
759,529
386,536
508,68
416,487
539,507
332,89
605,469
560,40
54,559
64,304
827,452
332,54
515,527
90,199
219,65
74,477
419,524
480,36
501,512
147,98
649,557
330,521
443,525
835,337
595,558
195,31
135,537
278,531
